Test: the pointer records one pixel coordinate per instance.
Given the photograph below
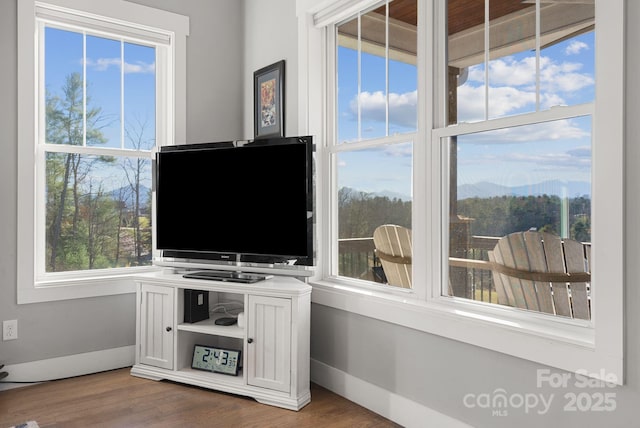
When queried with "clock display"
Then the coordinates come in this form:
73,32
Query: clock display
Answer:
218,360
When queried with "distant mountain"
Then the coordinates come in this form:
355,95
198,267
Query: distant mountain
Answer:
126,194
571,189
351,193
391,195
483,190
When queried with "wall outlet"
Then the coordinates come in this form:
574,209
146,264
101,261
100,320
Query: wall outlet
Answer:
9,329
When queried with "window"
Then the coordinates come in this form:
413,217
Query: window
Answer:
372,150
530,171
99,121
103,106
506,137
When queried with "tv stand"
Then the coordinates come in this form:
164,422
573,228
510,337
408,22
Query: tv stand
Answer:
273,338
227,275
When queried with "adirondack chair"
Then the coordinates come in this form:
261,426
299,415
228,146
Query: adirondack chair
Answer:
393,247
542,272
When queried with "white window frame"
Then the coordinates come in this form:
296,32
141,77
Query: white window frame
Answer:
594,347
121,17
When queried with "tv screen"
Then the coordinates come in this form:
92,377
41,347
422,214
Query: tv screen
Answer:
220,200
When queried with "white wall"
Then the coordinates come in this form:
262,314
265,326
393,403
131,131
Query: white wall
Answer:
270,36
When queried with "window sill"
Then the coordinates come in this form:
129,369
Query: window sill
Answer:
77,288
564,344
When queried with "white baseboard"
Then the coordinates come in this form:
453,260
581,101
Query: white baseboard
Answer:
392,406
67,366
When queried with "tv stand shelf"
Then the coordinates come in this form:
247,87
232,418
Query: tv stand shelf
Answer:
209,327
273,341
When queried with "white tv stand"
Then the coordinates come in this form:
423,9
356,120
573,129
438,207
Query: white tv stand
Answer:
274,341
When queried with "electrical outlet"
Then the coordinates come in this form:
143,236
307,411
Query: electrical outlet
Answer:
9,329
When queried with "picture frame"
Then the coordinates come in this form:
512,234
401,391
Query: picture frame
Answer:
268,101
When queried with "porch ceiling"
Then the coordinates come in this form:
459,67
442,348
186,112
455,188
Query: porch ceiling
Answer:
512,28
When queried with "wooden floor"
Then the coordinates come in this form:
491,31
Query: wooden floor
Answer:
117,399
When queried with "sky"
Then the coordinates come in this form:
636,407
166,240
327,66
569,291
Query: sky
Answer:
559,150
125,95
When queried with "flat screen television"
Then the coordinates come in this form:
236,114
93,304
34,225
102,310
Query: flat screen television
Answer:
231,203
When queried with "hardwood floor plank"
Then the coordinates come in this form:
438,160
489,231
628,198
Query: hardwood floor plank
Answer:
117,399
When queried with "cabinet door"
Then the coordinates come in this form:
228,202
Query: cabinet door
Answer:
156,326
269,342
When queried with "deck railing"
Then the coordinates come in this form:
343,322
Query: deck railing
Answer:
357,259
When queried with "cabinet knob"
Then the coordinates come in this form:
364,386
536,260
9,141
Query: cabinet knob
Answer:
168,329
250,340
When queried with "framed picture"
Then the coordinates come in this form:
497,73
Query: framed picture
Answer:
268,100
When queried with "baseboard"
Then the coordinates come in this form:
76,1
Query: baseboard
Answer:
392,406
67,366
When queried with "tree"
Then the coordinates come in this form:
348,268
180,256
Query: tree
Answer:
133,169
360,213
66,117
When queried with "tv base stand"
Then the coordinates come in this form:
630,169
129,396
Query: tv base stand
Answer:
227,275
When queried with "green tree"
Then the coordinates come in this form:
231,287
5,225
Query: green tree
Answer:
360,213
67,116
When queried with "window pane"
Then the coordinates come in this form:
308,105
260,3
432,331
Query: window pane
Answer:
376,75
403,73
347,95
567,68
373,84
535,177
97,212
374,188
466,70
64,87
512,58
104,71
373,97
139,96
518,82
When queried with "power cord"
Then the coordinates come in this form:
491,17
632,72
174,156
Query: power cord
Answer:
223,307
3,374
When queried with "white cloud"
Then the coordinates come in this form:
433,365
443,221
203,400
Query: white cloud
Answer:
139,67
510,72
399,150
575,47
512,86
524,164
565,129
503,101
402,107
553,162
103,64
564,77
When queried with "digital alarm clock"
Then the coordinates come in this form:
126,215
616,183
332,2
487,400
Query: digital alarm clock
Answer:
217,360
